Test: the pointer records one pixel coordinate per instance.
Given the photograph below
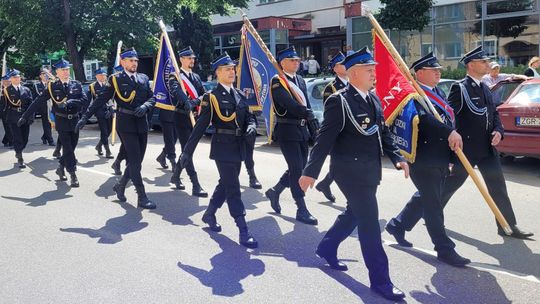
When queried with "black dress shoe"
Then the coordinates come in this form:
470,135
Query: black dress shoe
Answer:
332,261
145,203
254,183
162,161
389,291
210,219
247,240
177,183
116,167
452,258
51,143
399,235
61,173
326,191
199,191
56,154
303,215
274,200
120,190
20,162
516,233
99,149
74,181
44,141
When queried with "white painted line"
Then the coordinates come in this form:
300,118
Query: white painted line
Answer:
480,266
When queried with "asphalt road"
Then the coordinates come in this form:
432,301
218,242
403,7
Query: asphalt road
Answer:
63,245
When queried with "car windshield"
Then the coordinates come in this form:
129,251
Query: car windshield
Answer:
527,94
503,91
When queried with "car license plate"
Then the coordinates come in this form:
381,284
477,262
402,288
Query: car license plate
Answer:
528,121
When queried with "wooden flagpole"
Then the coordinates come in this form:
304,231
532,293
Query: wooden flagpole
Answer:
429,106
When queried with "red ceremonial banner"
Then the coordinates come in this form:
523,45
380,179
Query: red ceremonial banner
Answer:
392,86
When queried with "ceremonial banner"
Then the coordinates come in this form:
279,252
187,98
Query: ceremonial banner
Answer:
397,96
164,68
257,68
404,130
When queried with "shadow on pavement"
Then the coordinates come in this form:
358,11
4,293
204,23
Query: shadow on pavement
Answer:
513,254
114,228
456,285
176,207
229,267
60,193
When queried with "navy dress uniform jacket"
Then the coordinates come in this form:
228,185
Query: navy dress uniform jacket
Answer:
228,141
66,113
354,157
127,122
92,95
475,129
432,147
333,87
22,100
288,108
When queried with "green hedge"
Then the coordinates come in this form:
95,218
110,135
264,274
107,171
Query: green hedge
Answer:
460,73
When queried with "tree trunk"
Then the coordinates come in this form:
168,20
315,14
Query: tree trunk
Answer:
71,43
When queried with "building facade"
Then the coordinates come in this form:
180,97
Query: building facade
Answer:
314,27
508,30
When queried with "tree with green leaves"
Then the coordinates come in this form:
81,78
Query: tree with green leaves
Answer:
404,15
93,28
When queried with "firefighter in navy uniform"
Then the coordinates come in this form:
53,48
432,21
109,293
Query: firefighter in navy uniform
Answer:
41,86
134,99
436,140
121,151
478,122
103,114
7,140
17,98
354,133
185,105
68,99
295,125
226,109
337,84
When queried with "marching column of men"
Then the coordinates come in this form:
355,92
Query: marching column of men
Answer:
354,133
184,114
68,100
436,140
293,117
477,120
16,99
340,82
225,107
134,98
103,114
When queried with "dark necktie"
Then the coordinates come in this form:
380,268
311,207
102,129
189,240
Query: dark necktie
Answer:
133,78
190,77
370,103
66,87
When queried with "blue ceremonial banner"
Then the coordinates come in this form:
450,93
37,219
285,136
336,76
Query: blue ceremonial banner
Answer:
405,131
164,68
52,120
255,75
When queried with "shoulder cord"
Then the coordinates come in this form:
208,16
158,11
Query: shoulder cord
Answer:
16,103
